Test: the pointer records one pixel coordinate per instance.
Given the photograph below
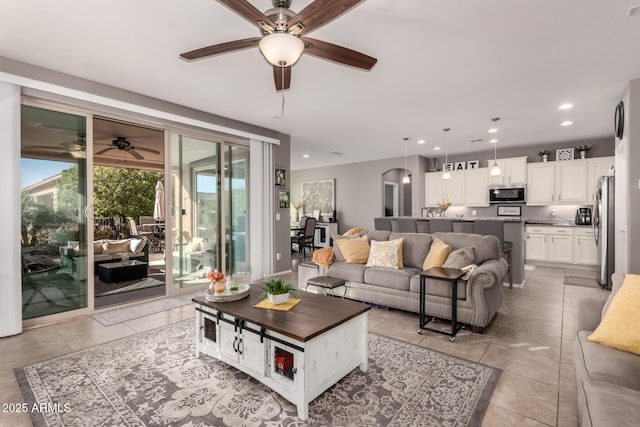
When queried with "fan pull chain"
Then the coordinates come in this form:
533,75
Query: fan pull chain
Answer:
282,106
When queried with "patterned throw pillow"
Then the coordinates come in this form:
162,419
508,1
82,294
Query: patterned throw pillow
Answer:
385,254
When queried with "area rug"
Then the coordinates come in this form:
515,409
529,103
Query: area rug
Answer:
581,281
120,315
154,378
146,283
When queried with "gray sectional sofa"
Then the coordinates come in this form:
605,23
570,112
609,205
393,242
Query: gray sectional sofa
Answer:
479,297
608,379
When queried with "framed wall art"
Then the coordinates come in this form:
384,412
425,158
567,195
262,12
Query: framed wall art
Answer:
320,196
283,199
280,177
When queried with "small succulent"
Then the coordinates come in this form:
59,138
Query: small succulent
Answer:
278,287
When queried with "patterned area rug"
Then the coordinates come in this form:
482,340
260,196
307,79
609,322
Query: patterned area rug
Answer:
154,379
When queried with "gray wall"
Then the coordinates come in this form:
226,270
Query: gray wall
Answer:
358,188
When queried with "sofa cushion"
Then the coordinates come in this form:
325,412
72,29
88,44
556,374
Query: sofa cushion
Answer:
618,326
355,251
337,253
389,278
441,288
484,246
385,254
415,248
604,404
116,246
598,362
136,246
437,254
459,258
378,235
348,272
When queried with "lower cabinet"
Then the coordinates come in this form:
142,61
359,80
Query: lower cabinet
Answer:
585,250
564,245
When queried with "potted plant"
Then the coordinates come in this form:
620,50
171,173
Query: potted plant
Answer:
544,153
278,291
583,150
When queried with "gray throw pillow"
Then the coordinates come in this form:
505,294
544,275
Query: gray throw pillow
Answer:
460,258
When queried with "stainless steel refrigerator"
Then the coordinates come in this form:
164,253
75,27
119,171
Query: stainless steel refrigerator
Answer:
603,228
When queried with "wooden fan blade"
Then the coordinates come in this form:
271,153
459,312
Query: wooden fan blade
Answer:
104,151
148,150
135,154
247,11
320,12
277,77
217,49
336,53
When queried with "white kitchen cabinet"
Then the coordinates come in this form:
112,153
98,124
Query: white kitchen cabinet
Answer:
514,171
541,184
571,181
597,167
584,247
438,189
548,243
475,187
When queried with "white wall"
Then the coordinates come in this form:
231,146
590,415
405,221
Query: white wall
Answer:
10,274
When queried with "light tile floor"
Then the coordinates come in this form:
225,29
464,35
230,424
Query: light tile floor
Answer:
530,338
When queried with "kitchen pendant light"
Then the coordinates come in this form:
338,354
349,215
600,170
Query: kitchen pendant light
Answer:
495,169
406,179
446,174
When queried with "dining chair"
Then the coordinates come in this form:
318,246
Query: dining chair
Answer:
307,238
496,228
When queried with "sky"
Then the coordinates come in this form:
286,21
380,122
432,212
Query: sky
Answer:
33,171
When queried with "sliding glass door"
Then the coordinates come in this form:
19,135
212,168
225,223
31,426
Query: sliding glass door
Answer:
54,198
209,207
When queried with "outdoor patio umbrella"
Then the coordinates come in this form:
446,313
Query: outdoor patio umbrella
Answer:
158,206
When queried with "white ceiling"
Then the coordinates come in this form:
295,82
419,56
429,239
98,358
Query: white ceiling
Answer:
440,64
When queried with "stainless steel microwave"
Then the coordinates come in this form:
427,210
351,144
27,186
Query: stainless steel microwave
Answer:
507,194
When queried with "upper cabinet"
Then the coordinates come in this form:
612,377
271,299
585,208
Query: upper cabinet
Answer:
567,182
514,171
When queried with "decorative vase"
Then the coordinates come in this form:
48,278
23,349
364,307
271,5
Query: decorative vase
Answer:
583,154
278,299
545,157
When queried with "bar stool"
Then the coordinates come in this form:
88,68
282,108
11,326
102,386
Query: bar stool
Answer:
496,228
439,225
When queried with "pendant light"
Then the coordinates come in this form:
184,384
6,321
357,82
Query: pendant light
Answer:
446,174
495,169
405,178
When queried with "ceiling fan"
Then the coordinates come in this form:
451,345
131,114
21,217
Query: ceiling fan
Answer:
281,43
121,143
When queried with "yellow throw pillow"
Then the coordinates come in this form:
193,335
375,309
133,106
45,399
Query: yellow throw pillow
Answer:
386,254
618,328
355,251
437,255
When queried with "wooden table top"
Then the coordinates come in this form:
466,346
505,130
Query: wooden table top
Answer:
443,273
312,316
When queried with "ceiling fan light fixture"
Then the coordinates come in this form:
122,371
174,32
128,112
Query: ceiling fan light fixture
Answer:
281,49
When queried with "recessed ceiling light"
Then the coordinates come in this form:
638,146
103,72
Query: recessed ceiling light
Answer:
422,141
566,106
493,141
436,148
306,156
493,130
566,123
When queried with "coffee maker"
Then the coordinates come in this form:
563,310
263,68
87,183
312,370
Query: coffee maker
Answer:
583,216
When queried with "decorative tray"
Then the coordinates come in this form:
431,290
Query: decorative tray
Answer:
227,295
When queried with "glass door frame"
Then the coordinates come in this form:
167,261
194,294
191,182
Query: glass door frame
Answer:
88,212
